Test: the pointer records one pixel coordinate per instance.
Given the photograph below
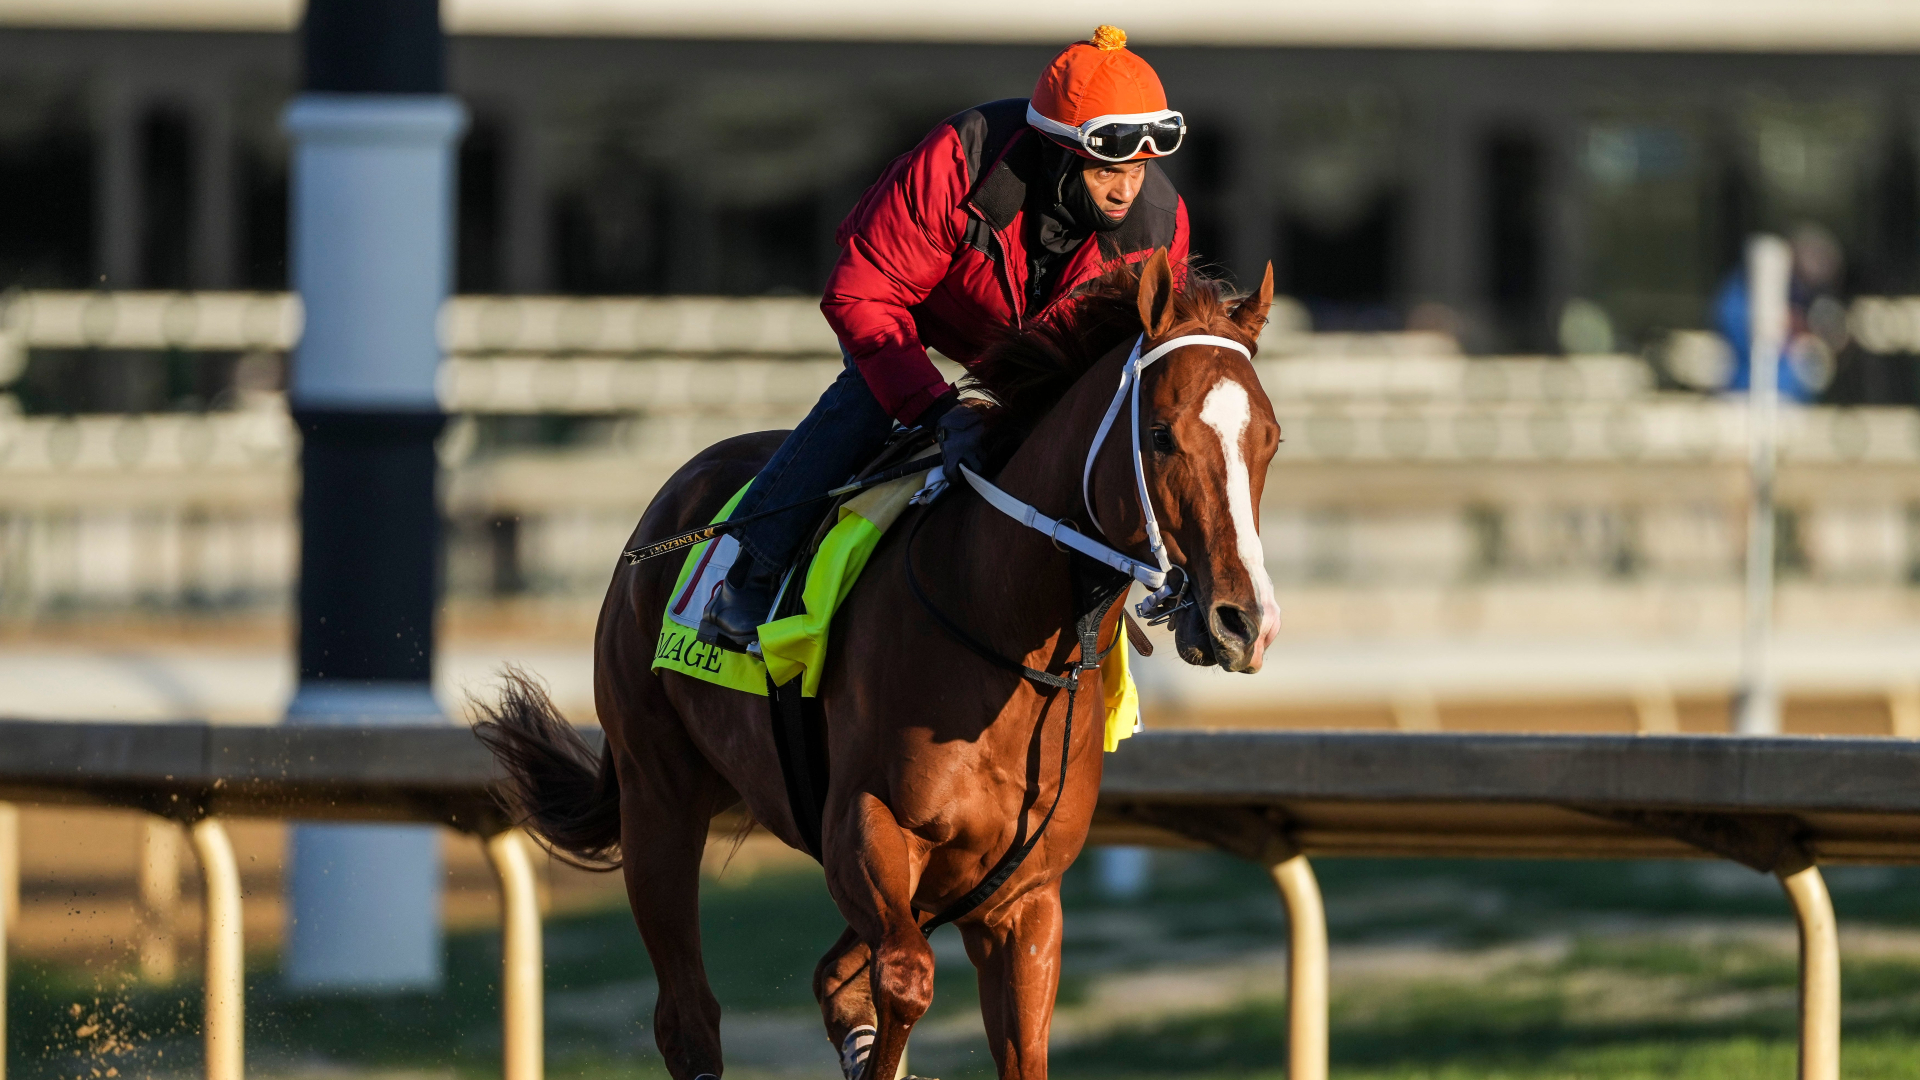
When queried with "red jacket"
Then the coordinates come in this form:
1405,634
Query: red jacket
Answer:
935,253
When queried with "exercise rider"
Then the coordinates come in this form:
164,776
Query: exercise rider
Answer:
993,221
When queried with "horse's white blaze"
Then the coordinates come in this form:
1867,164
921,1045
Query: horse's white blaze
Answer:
1228,410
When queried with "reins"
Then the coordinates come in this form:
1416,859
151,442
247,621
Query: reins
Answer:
1166,599
980,649
1088,617
1168,592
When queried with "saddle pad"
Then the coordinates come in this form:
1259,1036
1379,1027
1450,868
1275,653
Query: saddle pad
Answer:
796,646
680,648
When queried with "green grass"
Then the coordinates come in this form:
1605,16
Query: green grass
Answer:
1868,1058
1544,971
1671,973
1538,1024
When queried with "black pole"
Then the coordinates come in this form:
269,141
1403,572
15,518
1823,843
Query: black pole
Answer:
369,546
370,530
371,227
373,47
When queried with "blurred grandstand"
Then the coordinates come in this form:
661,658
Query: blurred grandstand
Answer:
1508,479
1454,537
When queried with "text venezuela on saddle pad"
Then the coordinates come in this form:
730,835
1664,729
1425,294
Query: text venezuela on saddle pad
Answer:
796,646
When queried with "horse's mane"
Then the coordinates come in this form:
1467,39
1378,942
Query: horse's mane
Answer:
1029,369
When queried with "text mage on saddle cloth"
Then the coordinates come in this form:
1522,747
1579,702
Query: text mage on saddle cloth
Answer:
796,646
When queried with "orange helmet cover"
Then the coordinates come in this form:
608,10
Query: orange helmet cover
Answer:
1098,77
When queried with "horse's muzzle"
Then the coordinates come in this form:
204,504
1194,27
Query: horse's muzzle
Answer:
1235,633
1226,635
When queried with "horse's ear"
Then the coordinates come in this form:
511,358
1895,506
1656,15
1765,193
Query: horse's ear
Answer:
1250,314
1156,294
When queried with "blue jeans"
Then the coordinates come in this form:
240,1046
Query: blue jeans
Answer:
846,429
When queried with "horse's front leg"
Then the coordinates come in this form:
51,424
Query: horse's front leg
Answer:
1017,953
871,870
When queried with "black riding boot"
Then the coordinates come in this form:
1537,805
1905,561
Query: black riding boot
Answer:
846,428
742,602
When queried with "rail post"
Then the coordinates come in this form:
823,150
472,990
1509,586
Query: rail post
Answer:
9,866
1819,973
1306,965
522,976
1769,277
9,900
159,892
225,951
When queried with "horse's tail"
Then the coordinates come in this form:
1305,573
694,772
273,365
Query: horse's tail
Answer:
555,786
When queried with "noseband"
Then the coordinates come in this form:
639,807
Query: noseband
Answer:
1168,588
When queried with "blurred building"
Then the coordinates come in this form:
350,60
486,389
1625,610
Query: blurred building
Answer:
1471,167
1505,223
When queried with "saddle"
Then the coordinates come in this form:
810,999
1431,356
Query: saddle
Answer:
794,639
811,585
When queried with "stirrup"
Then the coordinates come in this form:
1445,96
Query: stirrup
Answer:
732,618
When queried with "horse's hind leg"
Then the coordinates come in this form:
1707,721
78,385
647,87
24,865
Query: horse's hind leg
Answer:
661,844
668,796
842,985
870,874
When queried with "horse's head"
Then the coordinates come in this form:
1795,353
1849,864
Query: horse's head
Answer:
1207,433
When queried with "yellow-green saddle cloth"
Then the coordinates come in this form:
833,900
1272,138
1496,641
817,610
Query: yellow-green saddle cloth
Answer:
796,646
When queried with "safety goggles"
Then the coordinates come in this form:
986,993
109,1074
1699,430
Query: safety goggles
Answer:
1119,137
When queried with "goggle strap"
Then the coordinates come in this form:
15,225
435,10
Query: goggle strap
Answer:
1079,135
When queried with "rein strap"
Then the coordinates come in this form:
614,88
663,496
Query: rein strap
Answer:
1093,601
1063,532
1156,576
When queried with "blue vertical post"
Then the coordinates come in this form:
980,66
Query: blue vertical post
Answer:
374,136
1123,873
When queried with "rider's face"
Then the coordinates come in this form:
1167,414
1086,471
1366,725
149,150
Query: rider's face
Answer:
1114,187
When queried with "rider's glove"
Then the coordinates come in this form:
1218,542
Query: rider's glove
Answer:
962,433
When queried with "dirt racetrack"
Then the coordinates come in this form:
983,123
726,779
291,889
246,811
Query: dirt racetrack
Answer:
80,884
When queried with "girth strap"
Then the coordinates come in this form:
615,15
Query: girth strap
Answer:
800,733
799,725
799,722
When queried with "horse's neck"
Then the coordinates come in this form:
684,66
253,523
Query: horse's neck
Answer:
1013,575
1045,472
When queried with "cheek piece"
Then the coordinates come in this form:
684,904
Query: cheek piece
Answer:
1167,582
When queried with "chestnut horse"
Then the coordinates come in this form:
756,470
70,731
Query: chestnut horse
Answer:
940,760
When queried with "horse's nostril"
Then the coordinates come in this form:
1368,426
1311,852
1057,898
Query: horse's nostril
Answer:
1233,622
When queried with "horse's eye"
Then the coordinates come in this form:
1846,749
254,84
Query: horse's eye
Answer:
1162,440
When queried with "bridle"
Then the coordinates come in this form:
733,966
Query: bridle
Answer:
1168,582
